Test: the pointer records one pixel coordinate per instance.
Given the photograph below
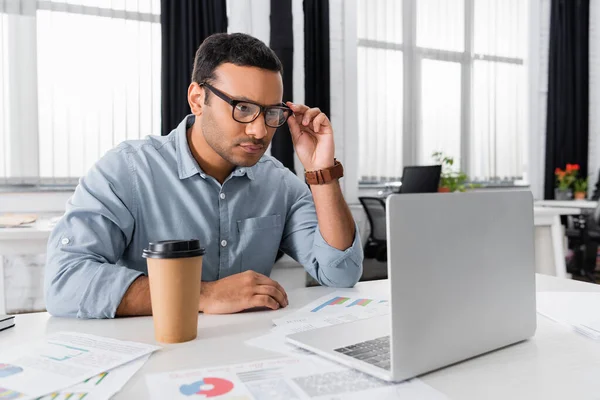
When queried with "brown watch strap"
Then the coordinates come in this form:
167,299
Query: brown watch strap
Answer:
326,175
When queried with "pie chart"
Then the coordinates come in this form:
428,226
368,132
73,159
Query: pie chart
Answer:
207,387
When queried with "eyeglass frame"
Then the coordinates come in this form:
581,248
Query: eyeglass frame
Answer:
234,102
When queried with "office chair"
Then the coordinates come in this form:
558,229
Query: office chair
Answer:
584,238
421,179
376,246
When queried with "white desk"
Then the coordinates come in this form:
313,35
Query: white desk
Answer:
581,204
556,364
31,239
549,239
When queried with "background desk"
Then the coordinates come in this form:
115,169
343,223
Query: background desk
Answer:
581,204
550,240
28,240
556,364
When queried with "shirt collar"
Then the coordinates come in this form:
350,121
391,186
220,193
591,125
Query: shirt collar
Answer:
186,163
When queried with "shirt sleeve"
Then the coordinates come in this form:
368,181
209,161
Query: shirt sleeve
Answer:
82,278
302,240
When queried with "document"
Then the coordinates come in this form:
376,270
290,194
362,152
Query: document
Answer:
102,386
275,340
62,360
578,310
340,307
285,379
329,310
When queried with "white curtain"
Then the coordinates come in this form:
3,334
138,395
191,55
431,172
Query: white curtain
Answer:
96,65
594,116
465,92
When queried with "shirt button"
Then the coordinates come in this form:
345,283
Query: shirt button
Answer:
223,243
65,241
241,171
203,176
222,196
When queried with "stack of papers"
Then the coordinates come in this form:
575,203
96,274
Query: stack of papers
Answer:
337,308
66,359
285,379
578,310
102,386
299,375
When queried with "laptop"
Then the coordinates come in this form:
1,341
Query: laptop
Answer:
461,274
421,179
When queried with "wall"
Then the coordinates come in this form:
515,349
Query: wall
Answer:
344,106
33,202
539,34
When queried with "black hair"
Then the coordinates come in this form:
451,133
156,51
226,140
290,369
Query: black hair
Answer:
235,48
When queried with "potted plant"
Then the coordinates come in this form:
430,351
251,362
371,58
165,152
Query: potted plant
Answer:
580,187
564,181
451,180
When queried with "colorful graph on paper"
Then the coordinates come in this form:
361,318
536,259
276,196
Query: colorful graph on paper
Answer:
61,352
335,301
96,380
360,302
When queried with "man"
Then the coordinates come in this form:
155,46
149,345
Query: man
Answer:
208,179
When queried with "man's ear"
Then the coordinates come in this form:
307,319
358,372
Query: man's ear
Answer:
196,95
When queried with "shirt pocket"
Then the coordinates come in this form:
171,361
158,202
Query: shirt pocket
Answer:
259,241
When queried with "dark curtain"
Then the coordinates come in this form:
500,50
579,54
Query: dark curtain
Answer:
568,83
316,55
185,24
282,43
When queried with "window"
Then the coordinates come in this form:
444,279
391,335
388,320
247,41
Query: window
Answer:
77,77
442,75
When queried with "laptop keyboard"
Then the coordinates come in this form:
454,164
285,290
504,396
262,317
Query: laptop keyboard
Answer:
375,352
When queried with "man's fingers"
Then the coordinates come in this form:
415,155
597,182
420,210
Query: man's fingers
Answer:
310,115
265,280
320,119
262,300
297,108
273,292
295,129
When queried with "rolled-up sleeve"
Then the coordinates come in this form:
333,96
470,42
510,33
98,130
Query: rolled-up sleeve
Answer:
302,240
82,278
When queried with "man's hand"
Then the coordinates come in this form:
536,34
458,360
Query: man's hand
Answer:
240,292
312,135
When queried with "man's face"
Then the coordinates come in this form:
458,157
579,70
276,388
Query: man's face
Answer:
238,143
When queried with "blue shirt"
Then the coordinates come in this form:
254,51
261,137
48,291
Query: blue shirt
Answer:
153,189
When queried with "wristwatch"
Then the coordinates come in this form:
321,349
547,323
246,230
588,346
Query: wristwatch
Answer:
326,175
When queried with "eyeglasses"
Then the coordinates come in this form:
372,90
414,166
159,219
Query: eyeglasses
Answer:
246,111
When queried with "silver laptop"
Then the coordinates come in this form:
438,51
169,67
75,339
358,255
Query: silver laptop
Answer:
461,274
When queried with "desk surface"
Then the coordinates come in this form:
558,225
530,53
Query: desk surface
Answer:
582,204
551,211
556,364
40,229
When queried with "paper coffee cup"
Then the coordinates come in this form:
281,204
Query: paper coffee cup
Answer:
175,274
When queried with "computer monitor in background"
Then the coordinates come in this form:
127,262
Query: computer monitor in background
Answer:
421,179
